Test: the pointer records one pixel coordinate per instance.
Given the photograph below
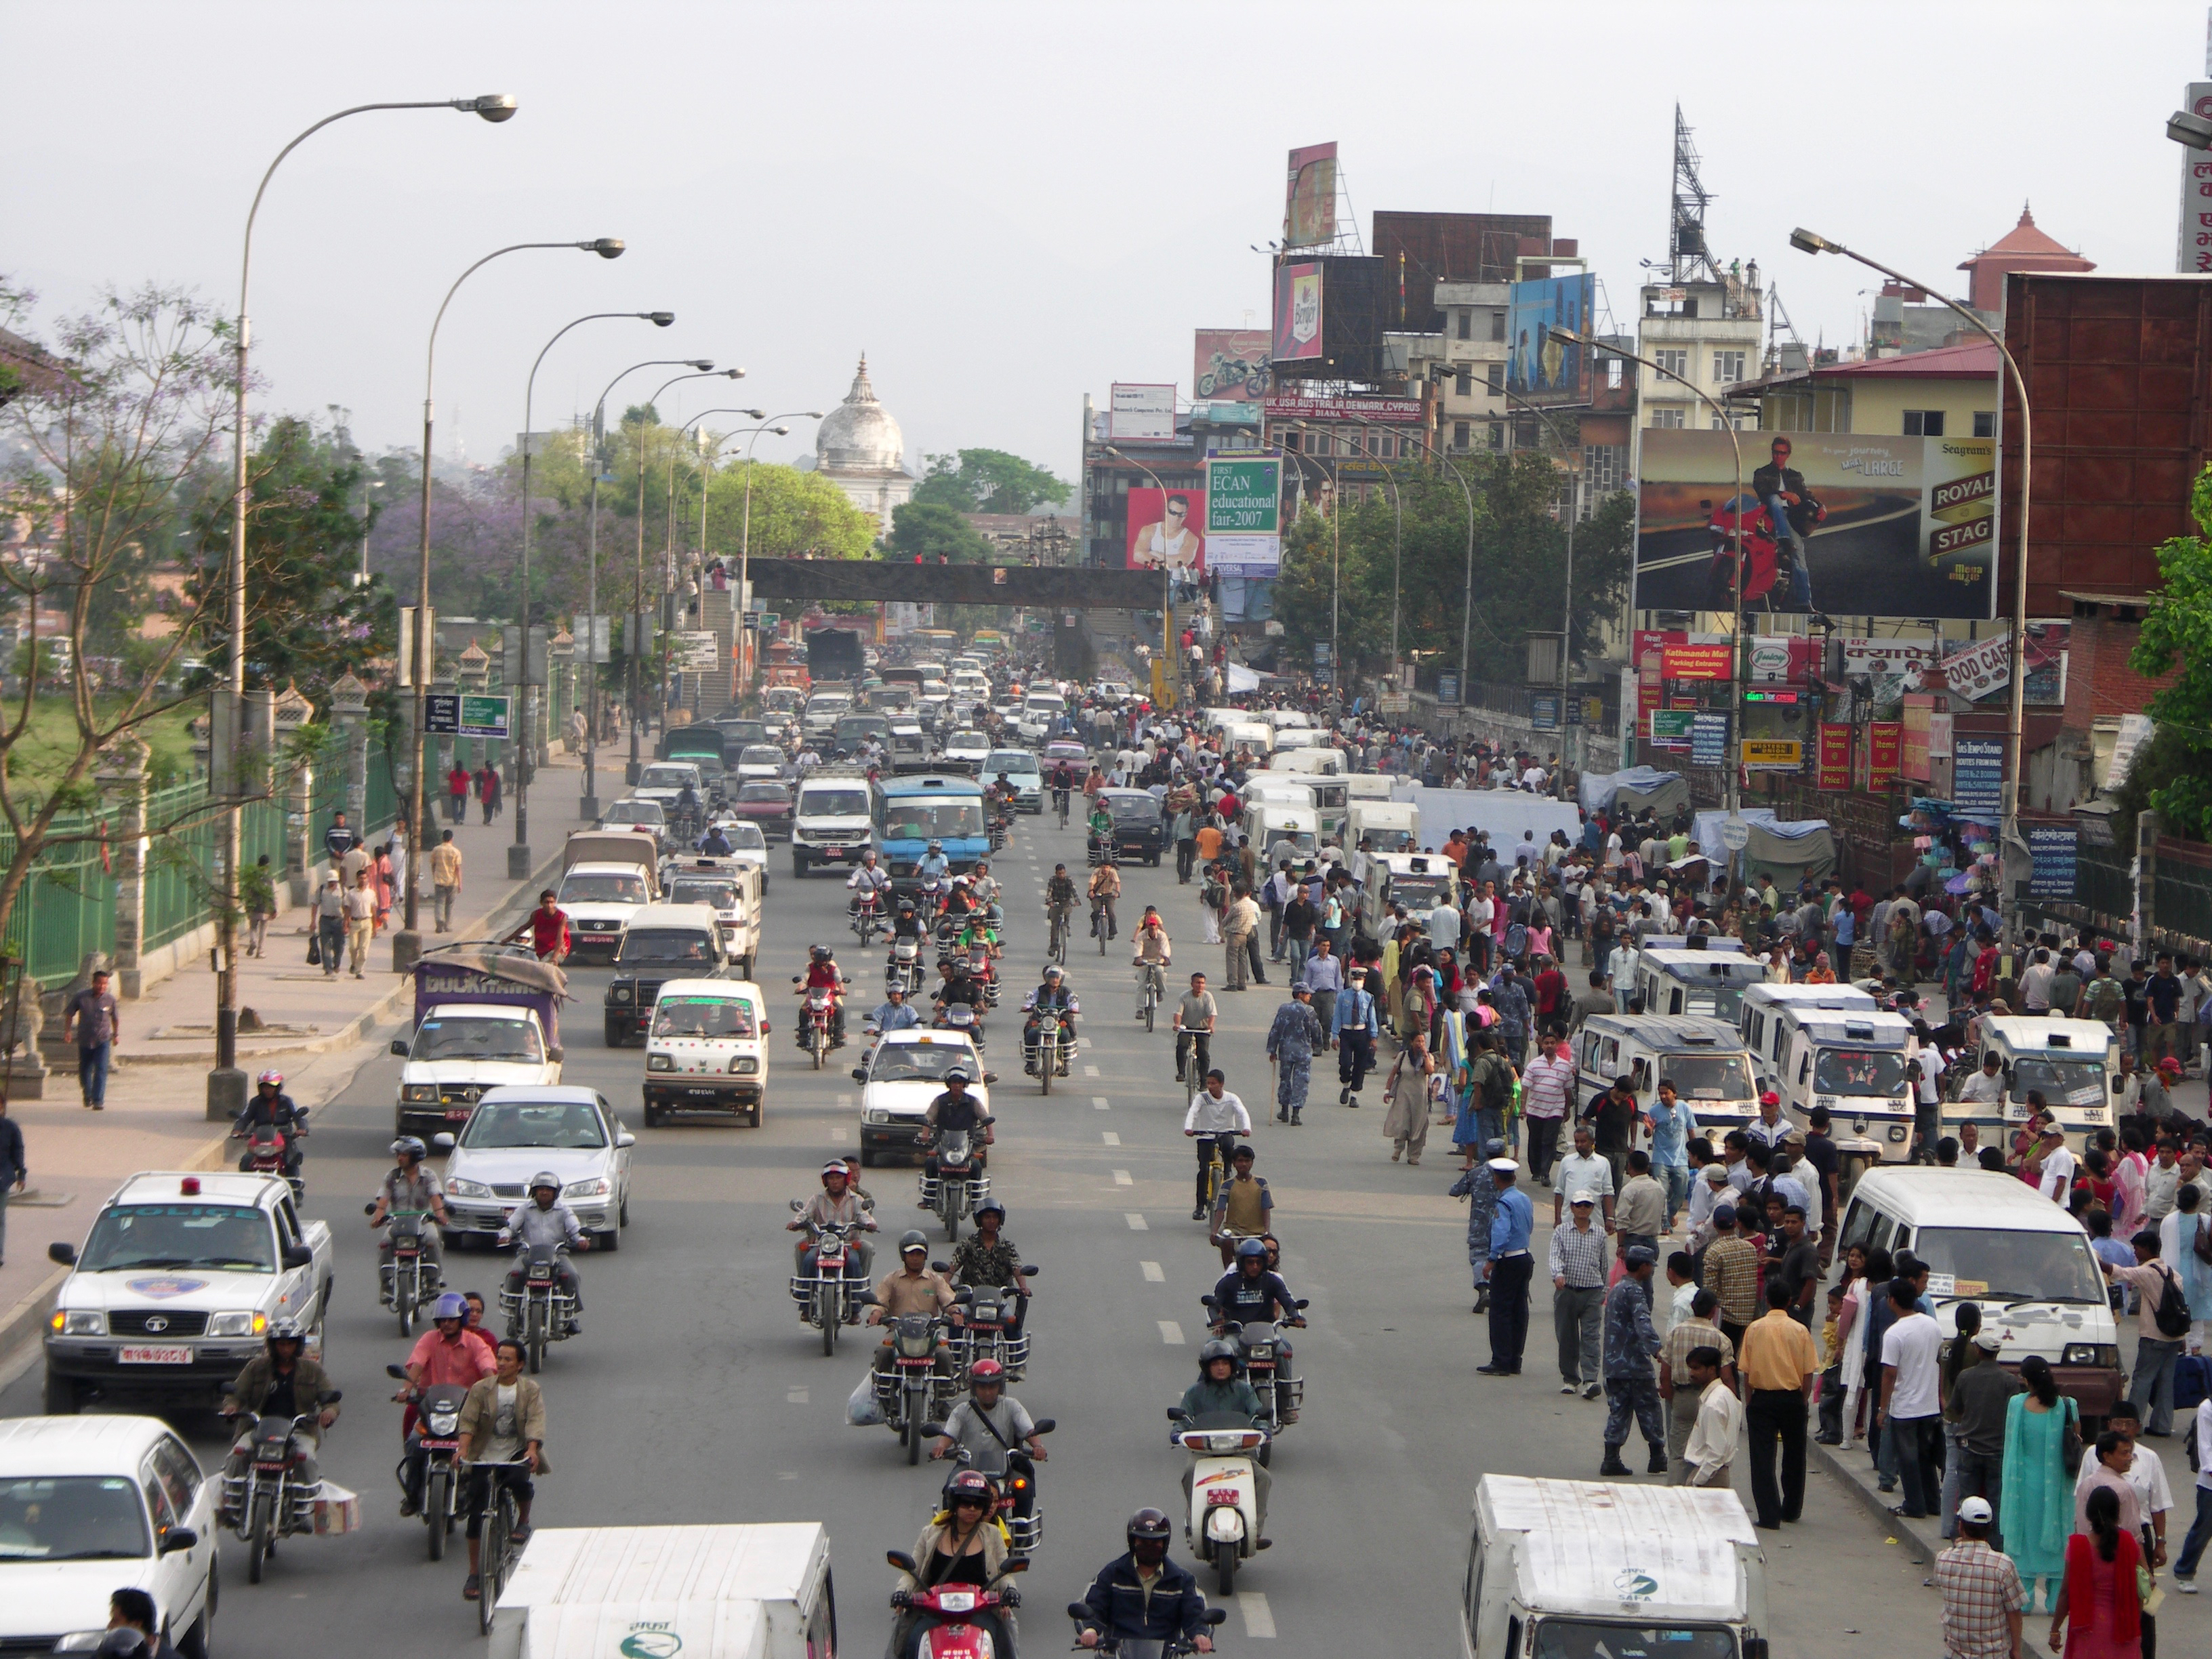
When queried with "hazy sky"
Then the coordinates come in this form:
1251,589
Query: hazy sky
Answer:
1007,205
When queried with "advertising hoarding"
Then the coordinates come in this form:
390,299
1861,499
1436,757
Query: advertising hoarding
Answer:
1310,197
1230,365
1835,766
467,713
1908,522
1141,414
1773,754
1977,778
1912,756
1697,662
1298,312
1670,727
1781,659
1168,526
1540,369
1286,407
1244,515
2056,847
1709,735
1885,742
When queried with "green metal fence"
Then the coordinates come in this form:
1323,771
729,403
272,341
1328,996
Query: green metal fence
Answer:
183,832
67,908
2182,902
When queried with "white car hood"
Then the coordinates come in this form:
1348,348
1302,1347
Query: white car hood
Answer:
508,1165
912,1098
618,913
58,1598
190,1288
491,1073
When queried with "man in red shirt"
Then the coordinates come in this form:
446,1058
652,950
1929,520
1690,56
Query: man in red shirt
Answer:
1551,992
549,929
824,974
445,1357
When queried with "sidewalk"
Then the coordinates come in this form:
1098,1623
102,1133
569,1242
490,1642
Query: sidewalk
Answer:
155,1115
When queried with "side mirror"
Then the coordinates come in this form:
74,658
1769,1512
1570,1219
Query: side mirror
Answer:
396,1371
65,1254
368,1208
1206,1301
624,1138
1754,1647
794,979
963,1295
1177,1415
1015,1564
939,1268
298,1256
796,1207
555,1053
1304,1305
333,1397
1220,1616
1078,1612
178,1538
989,1078
933,1428
399,1047
866,1298
1029,1272
1044,1426
859,1074
900,1560
442,1143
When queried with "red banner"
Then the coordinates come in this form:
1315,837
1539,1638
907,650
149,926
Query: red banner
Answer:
1884,739
1697,662
1835,771
1647,697
1649,642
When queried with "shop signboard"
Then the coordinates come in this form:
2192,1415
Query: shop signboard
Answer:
1835,771
1696,662
1773,754
1885,741
1709,736
2056,847
1978,779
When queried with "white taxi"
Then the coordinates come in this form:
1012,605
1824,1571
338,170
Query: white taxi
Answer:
707,1050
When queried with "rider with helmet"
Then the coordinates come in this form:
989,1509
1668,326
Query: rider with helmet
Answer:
1052,996
409,1186
687,803
715,844
282,1382
955,1112
993,1428
1143,1595
906,921
822,974
836,1205
934,863
542,1219
962,1543
1252,1293
911,1287
1221,1397
870,877
986,1256
272,1109
448,1355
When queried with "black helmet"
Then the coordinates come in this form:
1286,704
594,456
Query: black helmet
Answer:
1251,1247
971,1486
1148,1526
1219,1348
989,1204
914,1239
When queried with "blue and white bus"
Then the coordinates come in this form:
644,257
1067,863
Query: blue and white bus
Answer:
913,810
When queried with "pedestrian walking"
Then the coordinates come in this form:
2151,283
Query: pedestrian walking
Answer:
1911,1396
1676,1389
1546,1085
1508,1269
2161,1329
445,880
1579,1262
1981,1396
94,1021
361,922
381,874
1983,1596
1324,971
1354,1037
257,897
1405,1124
1631,1383
457,794
1487,1096
2200,1530
1732,1271
14,1172
1639,1211
1476,1185
487,784
1240,921
2037,1509
330,927
1709,1455
1291,1042
1778,1363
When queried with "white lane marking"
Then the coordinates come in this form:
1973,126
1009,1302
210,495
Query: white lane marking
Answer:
787,1474
1137,1223
1259,1621
1152,1273
846,1098
1101,1103
1122,1178
1091,1070
1171,1332
837,1135
1110,1138
795,1396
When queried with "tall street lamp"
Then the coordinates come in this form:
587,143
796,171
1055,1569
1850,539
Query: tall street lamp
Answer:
749,654
705,473
1590,343
407,942
525,756
226,1086
1398,541
2197,135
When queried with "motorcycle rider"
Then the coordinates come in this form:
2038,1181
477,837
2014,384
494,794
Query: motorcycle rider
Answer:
1222,1392
686,809
822,974
282,1383
994,1428
1004,795
715,844
1052,997
1143,1595
272,1109
541,1220
985,886
986,1256
408,1186
444,1356
1251,1293
961,1544
1105,888
836,1205
894,1012
934,863
954,1111
870,877
911,1288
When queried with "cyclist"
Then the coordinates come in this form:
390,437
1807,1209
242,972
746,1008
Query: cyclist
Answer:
1060,899
1099,828
1214,1120
1063,780
503,1427
1105,888
1194,1025
1052,997
1155,954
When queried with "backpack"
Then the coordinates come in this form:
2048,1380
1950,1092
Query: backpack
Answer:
1497,1084
2171,1314
2192,1380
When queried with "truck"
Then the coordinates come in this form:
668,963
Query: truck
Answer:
484,1015
757,1591
174,1289
833,653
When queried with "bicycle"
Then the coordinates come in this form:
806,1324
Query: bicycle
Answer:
1060,805
1098,930
498,1554
1187,1063
1056,950
1151,989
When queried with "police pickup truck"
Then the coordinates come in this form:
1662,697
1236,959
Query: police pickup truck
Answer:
175,1286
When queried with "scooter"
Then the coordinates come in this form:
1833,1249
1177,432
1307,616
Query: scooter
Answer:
1260,1345
1136,1647
1223,1524
829,1300
958,1183
437,1425
945,1614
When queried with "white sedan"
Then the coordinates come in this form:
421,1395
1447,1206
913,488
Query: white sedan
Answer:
968,749
520,1132
902,1073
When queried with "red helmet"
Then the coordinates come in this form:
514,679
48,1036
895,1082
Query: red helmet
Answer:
986,1370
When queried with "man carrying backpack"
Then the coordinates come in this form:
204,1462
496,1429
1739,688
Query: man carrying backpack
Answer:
2161,1330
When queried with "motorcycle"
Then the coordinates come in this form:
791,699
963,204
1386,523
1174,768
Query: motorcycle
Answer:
407,1281
989,1330
918,1389
929,900
867,917
984,972
960,1017
268,1150
1260,1344
438,1427
829,1300
1014,1472
817,1024
269,1499
541,1310
1051,1045
944,1614
1137,1647
1222,1525
1745,518
959,1183
904,973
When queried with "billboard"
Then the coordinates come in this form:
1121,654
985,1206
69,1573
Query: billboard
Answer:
1540,369
1309,197
1298,312
1230,365
1895,526
1168,526
1141,414
1356,407
1244,515
2193,246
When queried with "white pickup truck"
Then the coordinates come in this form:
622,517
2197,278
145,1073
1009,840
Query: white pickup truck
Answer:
175,1286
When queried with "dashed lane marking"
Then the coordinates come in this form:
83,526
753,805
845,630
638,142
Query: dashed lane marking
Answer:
837,1135
1122,1177
1171,1332
1091,1070
1259,1621
795,1396
1101,1103
1152,1273
1110,1138
1137,1223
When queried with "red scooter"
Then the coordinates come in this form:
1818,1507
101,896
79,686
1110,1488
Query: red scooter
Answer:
947,1614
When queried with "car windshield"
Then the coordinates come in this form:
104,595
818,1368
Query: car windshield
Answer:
1390,841
702,1016
1707,1077
743,834
2012,1267
909,1062
966,740
665,944
636,812
1714,998
748,731
930,820
496,1126
714,895
1857,1071
601,890
1580,1639
72,1518
1415,892
224,1238
767,791
834,802
665,777
1134,809
447,1037
761,754
2063,1082
1014,762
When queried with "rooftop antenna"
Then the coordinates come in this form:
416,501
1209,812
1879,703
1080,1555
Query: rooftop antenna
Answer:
1685,247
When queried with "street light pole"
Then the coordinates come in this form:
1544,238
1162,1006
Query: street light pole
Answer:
518,855
706,474
750,654
226,1086
407,943
2016,698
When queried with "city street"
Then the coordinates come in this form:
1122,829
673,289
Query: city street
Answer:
693,1393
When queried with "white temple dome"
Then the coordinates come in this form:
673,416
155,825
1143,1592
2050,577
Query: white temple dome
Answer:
859,435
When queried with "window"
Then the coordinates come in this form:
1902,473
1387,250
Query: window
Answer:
1923,423
1497,435
1673,363
1985,423
1614,370
1497,380
1465,385
1466,319
1497,325
1728,367
1671,418
1459,434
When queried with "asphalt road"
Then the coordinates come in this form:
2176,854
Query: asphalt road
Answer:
693,1393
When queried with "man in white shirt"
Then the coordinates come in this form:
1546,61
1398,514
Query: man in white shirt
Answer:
1718,1432
1911,1400
1444,926
2059,1164
1986,1086
1620,968
1583,1170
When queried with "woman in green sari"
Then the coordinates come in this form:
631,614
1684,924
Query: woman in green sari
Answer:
2036,1510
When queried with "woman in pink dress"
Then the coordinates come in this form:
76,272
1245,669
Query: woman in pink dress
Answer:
2100,1602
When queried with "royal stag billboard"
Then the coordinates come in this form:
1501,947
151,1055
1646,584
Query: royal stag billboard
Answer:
1854,525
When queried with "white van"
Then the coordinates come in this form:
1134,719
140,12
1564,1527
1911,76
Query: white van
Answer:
1368,785
1572,1569
1322,769
1394,826
830,822
706,1050
1416,880
1828,1046
1298,736
1256,738
1703,1059
2074,1063
1706,977
1994,1240
761,1591
1270,825
1283,718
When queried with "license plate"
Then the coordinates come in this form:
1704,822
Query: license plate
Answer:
457,1114
150,1356
1216,1499
701,1094
439,1445
833,853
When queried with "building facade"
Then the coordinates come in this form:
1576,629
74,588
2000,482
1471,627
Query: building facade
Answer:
860,449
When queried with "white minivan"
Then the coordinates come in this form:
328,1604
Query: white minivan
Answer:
1829,1046
706,1050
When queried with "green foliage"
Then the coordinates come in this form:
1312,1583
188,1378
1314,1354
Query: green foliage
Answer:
936,533
988,481
2178,629
794,514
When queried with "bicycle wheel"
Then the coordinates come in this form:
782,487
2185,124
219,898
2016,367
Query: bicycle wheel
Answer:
1098,927
491,1559
1151,1001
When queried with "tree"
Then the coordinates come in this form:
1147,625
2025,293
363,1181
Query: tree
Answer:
988,481
2178,629
794,514
935,534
